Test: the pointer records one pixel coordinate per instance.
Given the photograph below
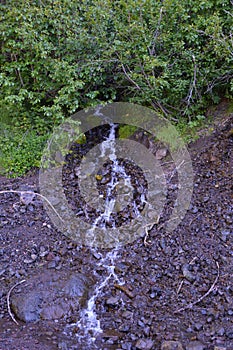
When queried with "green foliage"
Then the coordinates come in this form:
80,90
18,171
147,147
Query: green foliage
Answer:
20,150
189,131
60,56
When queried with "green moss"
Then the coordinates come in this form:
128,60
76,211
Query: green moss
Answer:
125,131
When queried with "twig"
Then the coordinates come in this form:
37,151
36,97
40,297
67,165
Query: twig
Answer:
193,84
156,34
125,290
195,219
149,227
8,300
129,78
36,194
180,286
14,59
190,306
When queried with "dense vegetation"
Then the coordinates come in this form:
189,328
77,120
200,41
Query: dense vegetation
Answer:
60,56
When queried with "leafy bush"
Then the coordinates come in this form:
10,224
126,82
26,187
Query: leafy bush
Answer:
21,152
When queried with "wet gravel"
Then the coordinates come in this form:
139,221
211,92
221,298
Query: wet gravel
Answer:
167,302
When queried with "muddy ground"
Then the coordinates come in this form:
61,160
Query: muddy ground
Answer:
179,287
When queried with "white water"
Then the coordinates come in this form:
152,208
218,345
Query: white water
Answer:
89,325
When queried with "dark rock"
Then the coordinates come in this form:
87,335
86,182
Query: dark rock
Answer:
229,333
198,326
144,344
27,307
50,295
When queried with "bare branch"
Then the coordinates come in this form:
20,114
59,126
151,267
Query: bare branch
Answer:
8,300
190,306
156,33
14,59
193,84
36,194
129,78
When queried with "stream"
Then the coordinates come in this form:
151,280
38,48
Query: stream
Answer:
118,180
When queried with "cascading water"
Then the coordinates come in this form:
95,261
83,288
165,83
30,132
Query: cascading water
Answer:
89,325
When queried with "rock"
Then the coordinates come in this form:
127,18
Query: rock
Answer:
96,255
112,301
220,331
229,333
161,153
195,345
127,315
27,307
187,273
50,295
198,326
144,344
225,234
220,348
27,197
171,345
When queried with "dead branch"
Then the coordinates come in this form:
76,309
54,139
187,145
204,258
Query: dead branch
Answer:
190,306
148,228
14,59
124,289
36,194
180,286
156,33
129,78
8,300
189,98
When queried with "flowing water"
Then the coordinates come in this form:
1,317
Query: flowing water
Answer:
89,326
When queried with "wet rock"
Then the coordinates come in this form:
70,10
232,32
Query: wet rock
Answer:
144,344
96,255
171,345
195,345
50,296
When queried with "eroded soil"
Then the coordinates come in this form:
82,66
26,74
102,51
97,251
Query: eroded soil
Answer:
178,287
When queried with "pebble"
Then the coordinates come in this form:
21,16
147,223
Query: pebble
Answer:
144,344
96,255
112,301
229,333
198,326
220,348
187,273
195,345
171,345
221,331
